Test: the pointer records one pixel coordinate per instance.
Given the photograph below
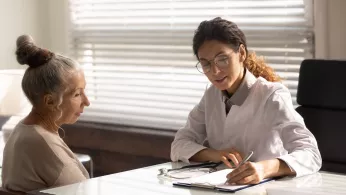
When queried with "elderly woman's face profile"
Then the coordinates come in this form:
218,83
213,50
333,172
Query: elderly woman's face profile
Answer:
74,99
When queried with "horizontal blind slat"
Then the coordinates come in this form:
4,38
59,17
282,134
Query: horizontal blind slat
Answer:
134,95
138,60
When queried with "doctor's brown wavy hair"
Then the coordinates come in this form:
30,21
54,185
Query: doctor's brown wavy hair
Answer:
228,32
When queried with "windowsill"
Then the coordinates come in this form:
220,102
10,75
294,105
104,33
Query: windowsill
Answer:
123,128
117,148
116,138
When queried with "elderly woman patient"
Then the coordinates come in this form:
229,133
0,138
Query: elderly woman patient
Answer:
35,157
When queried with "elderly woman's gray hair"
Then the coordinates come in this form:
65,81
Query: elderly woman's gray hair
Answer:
47,73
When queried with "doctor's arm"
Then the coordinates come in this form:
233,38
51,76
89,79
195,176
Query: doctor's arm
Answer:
303,155
189,140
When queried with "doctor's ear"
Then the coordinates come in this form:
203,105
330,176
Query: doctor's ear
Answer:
242,53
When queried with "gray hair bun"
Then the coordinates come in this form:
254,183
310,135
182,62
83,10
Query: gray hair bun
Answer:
28,53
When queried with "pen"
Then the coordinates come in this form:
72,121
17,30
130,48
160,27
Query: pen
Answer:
247,157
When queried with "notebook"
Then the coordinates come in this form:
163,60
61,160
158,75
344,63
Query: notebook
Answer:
214,181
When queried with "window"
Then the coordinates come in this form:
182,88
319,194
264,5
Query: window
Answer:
138,56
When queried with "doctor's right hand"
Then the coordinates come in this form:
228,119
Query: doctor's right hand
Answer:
224,155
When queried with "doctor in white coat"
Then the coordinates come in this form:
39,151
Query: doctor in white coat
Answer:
245,109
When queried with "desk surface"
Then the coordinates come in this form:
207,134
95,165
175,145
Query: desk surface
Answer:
145,181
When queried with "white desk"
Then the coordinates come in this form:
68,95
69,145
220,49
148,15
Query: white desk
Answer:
145,181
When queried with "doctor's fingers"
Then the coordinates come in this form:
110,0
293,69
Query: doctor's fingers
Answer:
233,158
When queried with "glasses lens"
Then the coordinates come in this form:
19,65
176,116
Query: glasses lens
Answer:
222,61
203,67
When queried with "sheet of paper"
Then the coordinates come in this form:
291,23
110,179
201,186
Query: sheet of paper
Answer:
216,179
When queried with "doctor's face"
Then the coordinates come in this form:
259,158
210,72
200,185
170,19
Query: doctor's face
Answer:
221,64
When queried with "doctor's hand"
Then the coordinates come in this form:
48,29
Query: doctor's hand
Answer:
248,173
225,155
253,173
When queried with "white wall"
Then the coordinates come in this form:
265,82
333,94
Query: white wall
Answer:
44,20
330,29
58,23
18,17
337,29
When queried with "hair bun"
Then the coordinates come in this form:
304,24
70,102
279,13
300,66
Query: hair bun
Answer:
24,40
28,53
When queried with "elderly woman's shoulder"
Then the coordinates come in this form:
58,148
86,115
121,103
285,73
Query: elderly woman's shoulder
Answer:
32,136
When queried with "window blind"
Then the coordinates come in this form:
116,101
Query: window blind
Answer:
138,59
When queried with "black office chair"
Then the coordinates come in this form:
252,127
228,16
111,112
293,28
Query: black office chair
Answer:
322,99
87,161
3,120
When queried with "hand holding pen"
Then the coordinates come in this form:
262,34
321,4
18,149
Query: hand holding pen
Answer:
246,172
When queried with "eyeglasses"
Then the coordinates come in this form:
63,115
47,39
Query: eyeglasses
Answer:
221,61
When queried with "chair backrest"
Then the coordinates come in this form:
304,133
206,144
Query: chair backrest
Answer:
322,99
3,120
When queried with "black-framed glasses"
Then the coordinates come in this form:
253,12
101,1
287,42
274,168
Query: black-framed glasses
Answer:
221,61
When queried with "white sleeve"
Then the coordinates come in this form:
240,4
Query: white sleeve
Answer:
303,155
189,139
